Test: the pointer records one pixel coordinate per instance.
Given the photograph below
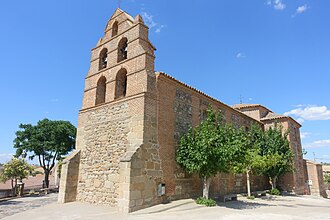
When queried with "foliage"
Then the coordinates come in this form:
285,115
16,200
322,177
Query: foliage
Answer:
277,154
207,149
250,158
16,169
326,178
275,192
48,141
206,202
200,150
251,197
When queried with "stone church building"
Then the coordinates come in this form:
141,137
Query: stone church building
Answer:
131,120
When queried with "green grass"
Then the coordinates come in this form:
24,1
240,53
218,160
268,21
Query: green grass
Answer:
206,202
275,192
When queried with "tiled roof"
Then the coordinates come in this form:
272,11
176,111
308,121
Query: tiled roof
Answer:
272,115
241,106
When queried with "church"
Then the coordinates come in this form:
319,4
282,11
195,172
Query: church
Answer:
131,120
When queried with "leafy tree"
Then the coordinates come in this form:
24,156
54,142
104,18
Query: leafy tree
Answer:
277,154
250,161
16,169
48,141
205,149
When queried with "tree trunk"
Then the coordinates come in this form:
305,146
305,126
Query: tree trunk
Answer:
13,188
206,186
46,180
248,182
272,181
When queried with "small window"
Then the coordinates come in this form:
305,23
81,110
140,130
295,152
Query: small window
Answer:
122,49
103,59
100,91
121,84
114,29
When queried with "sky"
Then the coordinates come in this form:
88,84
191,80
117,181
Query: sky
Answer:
271,52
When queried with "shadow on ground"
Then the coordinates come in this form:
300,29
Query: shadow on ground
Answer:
10,202
241,204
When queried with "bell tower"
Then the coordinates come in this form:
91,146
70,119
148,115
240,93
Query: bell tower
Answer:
117,147
124,56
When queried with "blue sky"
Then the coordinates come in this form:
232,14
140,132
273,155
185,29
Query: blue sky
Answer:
275,53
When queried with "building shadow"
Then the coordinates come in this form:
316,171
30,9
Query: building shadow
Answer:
239,204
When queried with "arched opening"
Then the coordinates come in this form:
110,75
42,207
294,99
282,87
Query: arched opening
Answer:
103,58
121,84
101,90
122,49
114,29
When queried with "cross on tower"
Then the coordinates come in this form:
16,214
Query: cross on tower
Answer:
240,99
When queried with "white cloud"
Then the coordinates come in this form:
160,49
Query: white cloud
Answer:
148,19
150,22
304,135
310,113
279,5
240,55
159,28
318,144
301,9
276,4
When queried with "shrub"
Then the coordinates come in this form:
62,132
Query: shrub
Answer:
275,192
206,202
250,197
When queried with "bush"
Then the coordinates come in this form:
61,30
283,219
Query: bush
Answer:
250,197
206,202
275,192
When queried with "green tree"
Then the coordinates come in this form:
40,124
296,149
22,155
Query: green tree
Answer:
48,141
326,178
277,154
16,169
205,150
250,159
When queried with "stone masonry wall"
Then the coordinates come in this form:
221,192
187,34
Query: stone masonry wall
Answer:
105,142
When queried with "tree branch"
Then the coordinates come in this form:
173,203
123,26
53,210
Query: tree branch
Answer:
40,162
53,162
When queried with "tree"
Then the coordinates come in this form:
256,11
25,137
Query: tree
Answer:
250,159
204,149
16,169
48,141
277,154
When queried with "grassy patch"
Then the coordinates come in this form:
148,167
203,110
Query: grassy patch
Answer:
275,192
206,202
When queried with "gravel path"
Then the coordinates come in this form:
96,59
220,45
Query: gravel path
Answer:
13,206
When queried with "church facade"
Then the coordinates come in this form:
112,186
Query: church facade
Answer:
130,123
